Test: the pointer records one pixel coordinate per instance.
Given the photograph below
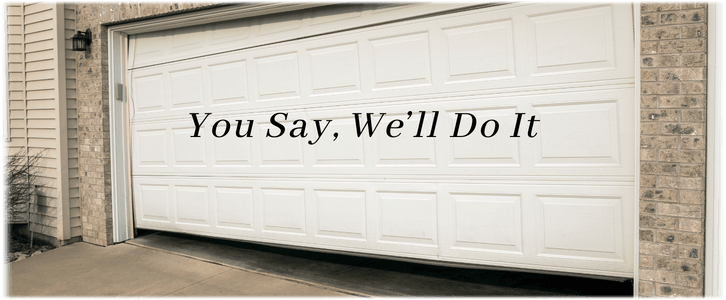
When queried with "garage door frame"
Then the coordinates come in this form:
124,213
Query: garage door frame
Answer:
120,147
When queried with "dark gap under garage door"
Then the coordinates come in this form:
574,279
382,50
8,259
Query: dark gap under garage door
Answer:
379,277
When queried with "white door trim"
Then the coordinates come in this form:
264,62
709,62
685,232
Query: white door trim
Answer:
117,46
714,150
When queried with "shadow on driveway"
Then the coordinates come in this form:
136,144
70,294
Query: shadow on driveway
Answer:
379,277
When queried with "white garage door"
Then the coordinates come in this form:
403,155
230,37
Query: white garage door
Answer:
562,200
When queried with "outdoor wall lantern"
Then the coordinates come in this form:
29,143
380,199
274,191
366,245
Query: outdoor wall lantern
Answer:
81,40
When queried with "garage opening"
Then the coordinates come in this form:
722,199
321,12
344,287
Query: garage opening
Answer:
561,200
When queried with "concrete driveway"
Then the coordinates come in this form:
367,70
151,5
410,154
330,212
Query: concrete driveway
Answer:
83,269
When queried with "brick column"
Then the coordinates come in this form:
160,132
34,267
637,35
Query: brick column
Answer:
672,143
93,129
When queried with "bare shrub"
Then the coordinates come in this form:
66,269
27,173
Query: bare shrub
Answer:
21,176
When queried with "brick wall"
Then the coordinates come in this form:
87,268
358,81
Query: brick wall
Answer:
673,143
93,119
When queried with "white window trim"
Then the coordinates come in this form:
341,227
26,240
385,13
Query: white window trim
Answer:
715,163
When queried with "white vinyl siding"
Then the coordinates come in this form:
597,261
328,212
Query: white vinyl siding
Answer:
34,98
5,73
72,116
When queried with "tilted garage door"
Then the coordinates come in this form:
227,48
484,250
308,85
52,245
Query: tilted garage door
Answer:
562,200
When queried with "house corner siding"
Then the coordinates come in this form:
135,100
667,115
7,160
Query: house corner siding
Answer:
36,95
673,142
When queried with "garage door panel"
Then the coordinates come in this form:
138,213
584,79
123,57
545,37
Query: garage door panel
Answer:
334,69
561,200
156,210
149,93
578,226
340,214
192,204
476,150
327,69
487,222
407,218
227,82
567,139
284,211
581,135
186,88
277,76
187,152
401,61
250,32
405,150
480,51
232,153
235,207
345,151
572,41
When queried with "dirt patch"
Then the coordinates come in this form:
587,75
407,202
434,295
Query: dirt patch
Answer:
19,248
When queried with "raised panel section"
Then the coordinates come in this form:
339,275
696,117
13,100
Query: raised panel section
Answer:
408,218
584,134
149,93
235,207
231,150
477,150
148,47
230,31
579,227
185,39
478,52
345,150
572,41
154,201
280,151
284,211
278,23
487,222
405,149
189,151
228,82
192,205
145,141
334,69
277,77
186,88
341,214
401,61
